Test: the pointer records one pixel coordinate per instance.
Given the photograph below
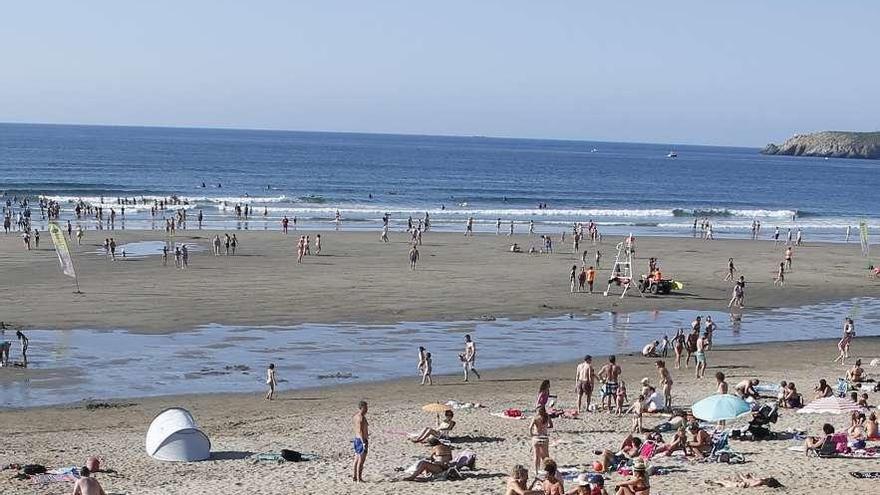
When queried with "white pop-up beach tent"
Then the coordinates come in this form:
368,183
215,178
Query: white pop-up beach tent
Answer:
174,436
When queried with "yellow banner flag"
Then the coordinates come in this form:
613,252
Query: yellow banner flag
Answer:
61,248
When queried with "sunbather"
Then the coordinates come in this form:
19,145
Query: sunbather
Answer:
518,481
552,483
629,449
823,444
639,483
441,456
442,430
823,390
86,485
871,427
747,480
856,433
856,374
746,388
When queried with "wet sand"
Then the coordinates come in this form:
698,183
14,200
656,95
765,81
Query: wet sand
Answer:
357,278
318,421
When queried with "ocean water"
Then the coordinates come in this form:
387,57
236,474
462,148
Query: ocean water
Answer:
68,366
623,187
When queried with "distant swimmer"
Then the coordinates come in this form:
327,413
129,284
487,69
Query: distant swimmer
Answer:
219,185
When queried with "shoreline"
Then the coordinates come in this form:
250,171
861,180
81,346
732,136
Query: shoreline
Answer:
358,279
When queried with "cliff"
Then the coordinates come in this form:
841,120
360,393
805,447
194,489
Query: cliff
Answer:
835,144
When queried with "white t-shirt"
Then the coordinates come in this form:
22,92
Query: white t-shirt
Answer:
656,402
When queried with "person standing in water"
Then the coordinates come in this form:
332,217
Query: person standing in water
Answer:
23,342
361,441
271,381
469,357
498,227
469,227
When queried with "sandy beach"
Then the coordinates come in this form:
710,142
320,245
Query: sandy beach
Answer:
319,421
357,278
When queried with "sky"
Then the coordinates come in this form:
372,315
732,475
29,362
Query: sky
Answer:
703,72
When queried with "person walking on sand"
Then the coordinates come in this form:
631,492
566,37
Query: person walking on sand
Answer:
300,248
421,365
582,279
469,357
469,227
736,299
413,257
700,356
165,255
585,379
184,256
361,441
384,235
572,278
498,227
233,243
271,381
591,276
539,430
678,346
780,275
79,235
730,270
789,252
691,341
510,233
426,373
849,333
317,244
776,237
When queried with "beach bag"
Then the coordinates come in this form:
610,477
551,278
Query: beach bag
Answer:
32,469
291,455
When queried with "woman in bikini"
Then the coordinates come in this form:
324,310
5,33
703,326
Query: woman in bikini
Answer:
441,456
539,429
849,333
678,347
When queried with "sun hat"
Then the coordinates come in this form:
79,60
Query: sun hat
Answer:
639,465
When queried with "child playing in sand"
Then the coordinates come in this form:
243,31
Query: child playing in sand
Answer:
271,381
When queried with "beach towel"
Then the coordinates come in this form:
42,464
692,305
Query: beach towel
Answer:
874,475
42,479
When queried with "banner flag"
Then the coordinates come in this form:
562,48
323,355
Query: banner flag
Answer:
62,249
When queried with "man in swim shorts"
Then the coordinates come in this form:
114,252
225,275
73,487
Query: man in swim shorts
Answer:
585,378
609,375
361,441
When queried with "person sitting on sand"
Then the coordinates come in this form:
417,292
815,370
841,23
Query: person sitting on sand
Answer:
650,349
552,482
514,248
747,480
823,390
86,485
639,483
791,399
516,484
824,443
856,431
442,431
654,401
701,444
441,456
856,374
863,401
587,484
746,389
872,429
629,449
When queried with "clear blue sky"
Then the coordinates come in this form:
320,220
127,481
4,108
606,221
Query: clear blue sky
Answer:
721,72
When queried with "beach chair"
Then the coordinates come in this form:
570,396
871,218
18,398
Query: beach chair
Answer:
722,452
467,459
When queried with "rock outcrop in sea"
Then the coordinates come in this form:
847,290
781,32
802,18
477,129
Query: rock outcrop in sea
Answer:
835,144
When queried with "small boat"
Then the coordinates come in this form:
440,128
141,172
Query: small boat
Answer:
594,150
672,154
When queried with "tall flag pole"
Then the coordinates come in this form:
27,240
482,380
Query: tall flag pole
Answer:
63,252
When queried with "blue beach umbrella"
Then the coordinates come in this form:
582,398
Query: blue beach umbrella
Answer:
720,407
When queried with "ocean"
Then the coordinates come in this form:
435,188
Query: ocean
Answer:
624,187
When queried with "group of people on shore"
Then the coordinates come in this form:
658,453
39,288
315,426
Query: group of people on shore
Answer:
6,346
